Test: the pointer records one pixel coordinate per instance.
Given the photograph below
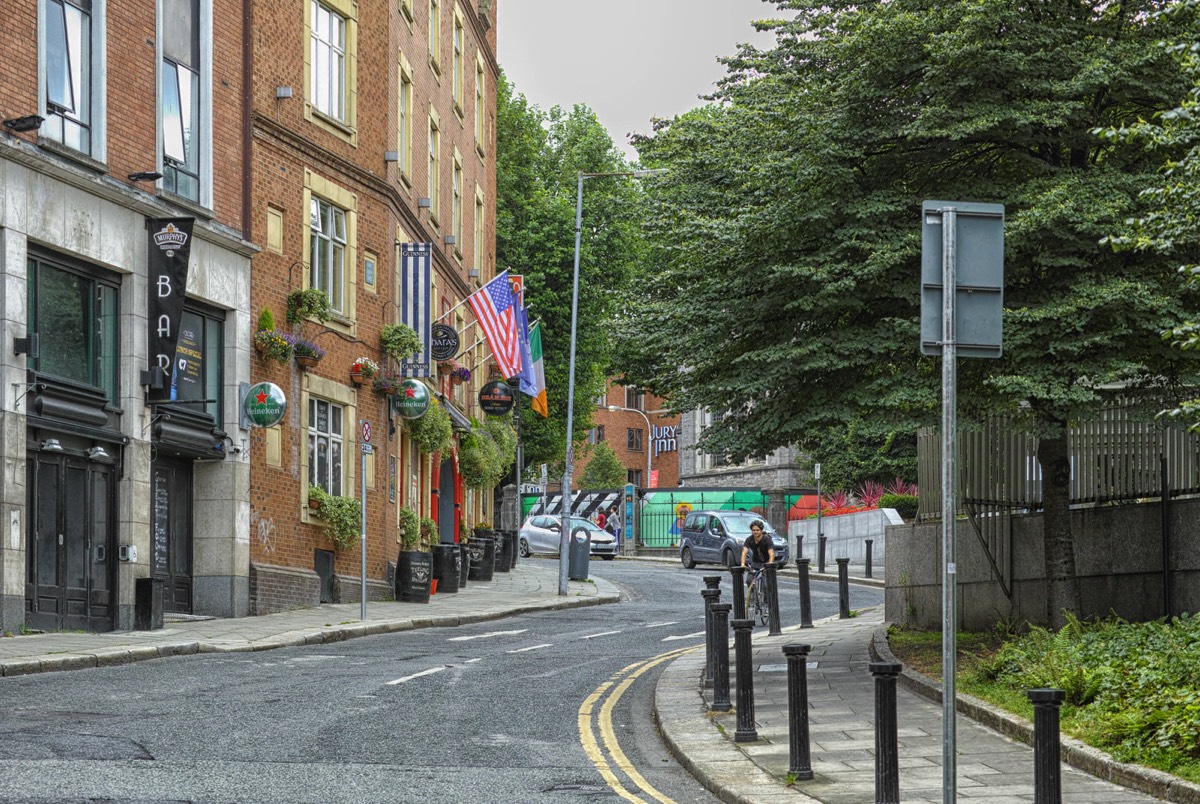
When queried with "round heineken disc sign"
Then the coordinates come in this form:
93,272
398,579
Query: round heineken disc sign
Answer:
411,400
496,398
443,342
265,404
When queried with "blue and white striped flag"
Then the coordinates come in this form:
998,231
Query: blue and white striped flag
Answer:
416,291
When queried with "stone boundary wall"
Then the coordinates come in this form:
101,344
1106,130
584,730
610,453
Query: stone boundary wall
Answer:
845,536
1118,560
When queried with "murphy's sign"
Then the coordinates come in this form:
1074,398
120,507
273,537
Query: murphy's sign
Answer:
170,244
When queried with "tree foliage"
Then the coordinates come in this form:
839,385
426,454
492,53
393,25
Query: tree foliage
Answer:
786,239
604,469
539,156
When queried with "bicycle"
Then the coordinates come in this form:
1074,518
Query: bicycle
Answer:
758,605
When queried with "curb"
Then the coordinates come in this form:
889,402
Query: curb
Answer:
111,657
1075,753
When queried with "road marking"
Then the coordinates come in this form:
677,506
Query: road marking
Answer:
684,636
591,746
602,633
485,636
472,661
660,625
428,672
531,647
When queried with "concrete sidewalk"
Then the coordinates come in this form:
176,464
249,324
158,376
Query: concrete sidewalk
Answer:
991,767
525,588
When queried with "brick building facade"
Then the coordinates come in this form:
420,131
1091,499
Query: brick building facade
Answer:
372,125
628,421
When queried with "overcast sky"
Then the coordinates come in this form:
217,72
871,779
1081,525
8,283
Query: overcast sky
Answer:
630,60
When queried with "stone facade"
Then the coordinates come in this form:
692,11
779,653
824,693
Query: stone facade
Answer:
777,470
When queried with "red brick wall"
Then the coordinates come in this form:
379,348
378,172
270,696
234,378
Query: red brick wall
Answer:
616,425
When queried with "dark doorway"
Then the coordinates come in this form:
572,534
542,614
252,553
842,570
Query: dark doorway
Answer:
446,503
171,533
323,566
69,579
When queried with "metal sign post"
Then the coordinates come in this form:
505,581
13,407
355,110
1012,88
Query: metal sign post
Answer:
367,449
971,313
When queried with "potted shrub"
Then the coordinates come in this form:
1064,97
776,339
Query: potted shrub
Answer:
414,565
399,341
388,383
308,303
363,369
308,354
342,515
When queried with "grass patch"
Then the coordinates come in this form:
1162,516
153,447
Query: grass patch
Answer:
1132,689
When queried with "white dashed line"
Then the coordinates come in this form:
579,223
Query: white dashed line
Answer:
602,633
531,647
684,636
428,672
485,636
660,625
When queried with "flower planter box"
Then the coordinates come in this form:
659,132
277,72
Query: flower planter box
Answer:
414,574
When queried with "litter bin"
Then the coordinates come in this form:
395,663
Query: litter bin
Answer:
578,554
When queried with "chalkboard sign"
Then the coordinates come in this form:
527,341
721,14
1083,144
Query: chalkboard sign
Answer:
162,519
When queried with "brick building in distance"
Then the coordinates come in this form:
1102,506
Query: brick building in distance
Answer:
372,125
628,420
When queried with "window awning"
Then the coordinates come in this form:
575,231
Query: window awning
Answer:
458,419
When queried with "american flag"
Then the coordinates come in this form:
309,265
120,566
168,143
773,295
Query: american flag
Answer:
494,308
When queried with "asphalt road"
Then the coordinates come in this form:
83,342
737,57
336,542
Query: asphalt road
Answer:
552,706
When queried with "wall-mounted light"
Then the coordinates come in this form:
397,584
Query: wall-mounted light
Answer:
424,203
391,156
97,453
449,240
283,92
51,445
27,345
145,175
30,122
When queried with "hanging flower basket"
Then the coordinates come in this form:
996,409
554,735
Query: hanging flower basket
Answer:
388,384
460,375
363,369
307,353
447,366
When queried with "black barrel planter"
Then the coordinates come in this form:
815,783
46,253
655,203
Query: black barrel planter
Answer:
483,558
504,551
464,565
445,568
414,570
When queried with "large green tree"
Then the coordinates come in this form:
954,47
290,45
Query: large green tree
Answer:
539,155
787,234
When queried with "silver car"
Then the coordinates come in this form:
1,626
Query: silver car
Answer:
540,534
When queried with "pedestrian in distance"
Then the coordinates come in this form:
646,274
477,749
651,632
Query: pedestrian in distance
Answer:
758,548
613,522
600,519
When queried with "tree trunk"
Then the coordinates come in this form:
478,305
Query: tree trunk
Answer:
1062,587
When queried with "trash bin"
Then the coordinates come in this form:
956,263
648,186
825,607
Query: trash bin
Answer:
578,555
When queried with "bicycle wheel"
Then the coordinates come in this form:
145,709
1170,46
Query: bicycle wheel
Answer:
761,604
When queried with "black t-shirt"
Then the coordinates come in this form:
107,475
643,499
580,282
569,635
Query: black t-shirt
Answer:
760,551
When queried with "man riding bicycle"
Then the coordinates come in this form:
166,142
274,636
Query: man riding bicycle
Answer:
758,548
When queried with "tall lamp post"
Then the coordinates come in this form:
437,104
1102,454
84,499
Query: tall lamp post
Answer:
642,413
569,459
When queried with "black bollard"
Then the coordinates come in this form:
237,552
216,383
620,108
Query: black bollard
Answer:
805,594
843,588
870,543
771,587
720,699
821,554
710,596
1047,775
887,751
799,757
746,732
739,592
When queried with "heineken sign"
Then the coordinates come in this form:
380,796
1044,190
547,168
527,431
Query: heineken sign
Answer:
445,342
496,398
265,404
412,400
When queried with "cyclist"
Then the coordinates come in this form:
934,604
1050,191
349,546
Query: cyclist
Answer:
758,548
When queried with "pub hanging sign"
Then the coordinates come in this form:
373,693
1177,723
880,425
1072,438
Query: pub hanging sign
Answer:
170,245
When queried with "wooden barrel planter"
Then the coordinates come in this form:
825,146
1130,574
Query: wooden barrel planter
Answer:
445,567
464,567
414,572
483,558
504,551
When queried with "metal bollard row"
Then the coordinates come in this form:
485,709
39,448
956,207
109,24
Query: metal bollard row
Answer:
746,732
799,755
711,594
739,591
771,587
720,699
843,588
1047,771
805,594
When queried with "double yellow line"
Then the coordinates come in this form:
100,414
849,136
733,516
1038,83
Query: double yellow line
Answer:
610,760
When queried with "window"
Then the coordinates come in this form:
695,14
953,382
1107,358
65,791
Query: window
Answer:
69,74
480,109
196,380
181,97
634,399
602,401
327,252
328,62
633,439
370,268
478,224
406,8
596,434
404,122
435,36
634,476
74,313
325,445
435,155
456,212
456,71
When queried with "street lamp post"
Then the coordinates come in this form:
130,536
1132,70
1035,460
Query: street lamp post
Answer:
569,458
646,444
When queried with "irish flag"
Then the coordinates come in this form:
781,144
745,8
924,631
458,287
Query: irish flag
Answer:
538,402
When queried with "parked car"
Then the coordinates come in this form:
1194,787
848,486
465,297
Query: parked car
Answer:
716,537
540,534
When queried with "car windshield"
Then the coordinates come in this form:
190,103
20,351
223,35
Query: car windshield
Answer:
739,524
583,523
